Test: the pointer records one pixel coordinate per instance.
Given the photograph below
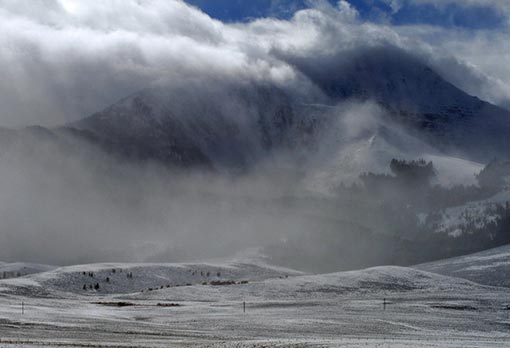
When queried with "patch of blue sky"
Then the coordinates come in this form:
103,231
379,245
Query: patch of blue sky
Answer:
409,12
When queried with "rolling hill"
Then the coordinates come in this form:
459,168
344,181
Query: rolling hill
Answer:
120,278
489,267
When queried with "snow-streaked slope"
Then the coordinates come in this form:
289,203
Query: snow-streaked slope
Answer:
490,267
372,153
454,220
343,160
113,277
17,269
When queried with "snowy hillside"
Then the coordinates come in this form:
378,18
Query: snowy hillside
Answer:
380,280
455,220
490,267
383,306
117,278
342,161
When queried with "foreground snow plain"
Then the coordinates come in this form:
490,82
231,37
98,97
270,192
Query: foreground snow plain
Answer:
284,308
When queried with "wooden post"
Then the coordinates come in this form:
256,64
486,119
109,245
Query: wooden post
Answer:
22,308
244,306
384,304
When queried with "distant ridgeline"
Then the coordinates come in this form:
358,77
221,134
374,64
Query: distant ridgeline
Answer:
406,218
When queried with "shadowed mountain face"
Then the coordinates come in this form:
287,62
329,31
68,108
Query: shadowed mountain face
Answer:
229,126
415,96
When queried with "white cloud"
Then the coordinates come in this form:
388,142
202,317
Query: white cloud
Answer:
61,65
64,59
476,61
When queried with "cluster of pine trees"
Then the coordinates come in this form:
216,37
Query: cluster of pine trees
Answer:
411,190
97,285
395,218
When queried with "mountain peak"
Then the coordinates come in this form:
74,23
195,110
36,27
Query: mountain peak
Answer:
388,75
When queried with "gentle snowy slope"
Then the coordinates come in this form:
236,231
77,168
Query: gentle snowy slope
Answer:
377,281
115,278
490,267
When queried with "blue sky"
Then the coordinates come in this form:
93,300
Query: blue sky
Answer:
451,13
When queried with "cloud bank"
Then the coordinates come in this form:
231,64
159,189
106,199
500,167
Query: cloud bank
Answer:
62,60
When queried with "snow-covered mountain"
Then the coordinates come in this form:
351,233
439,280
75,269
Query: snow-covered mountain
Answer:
234,125
356,112
352,114
324,127
231,126
415,96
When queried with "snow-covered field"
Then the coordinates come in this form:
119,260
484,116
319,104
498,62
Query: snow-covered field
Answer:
283,308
